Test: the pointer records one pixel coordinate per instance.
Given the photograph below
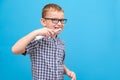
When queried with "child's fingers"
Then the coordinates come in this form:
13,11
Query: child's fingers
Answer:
47,32
73,76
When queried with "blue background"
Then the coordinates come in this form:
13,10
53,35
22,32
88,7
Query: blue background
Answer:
92,36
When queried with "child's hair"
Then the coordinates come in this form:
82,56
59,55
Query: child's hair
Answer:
50,7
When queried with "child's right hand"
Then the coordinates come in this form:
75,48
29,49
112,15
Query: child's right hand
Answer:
47,32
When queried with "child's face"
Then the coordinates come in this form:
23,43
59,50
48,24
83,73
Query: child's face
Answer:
53,20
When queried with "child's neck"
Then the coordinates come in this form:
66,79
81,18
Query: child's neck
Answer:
54,36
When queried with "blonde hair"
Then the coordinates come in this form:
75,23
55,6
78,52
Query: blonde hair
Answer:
50,7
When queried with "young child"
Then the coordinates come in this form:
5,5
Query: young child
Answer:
46,53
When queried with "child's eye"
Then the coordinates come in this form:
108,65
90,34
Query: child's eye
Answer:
54,19
62,20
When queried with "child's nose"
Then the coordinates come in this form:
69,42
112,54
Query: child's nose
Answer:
59,22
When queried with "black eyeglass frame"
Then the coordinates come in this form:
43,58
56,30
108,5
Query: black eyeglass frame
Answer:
56,20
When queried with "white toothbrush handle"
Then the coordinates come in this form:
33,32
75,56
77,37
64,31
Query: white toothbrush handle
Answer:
39,37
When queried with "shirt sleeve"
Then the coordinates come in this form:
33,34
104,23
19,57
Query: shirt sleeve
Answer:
31,47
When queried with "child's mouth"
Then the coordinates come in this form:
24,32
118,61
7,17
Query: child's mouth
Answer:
57,30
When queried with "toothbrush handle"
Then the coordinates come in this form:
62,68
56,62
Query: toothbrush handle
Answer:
39,37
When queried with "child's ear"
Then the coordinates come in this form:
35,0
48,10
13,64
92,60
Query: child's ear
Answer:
43,21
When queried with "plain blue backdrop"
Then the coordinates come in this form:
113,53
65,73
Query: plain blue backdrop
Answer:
92,37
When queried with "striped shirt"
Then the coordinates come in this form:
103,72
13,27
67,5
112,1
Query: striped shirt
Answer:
47,58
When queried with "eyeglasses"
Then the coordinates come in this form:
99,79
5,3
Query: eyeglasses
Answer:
55,20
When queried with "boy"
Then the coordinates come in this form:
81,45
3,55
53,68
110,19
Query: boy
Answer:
47,53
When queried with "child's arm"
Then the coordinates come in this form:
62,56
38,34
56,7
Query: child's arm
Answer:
21,44
71,74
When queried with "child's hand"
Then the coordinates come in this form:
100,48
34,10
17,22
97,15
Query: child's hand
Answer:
71,74
47,32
